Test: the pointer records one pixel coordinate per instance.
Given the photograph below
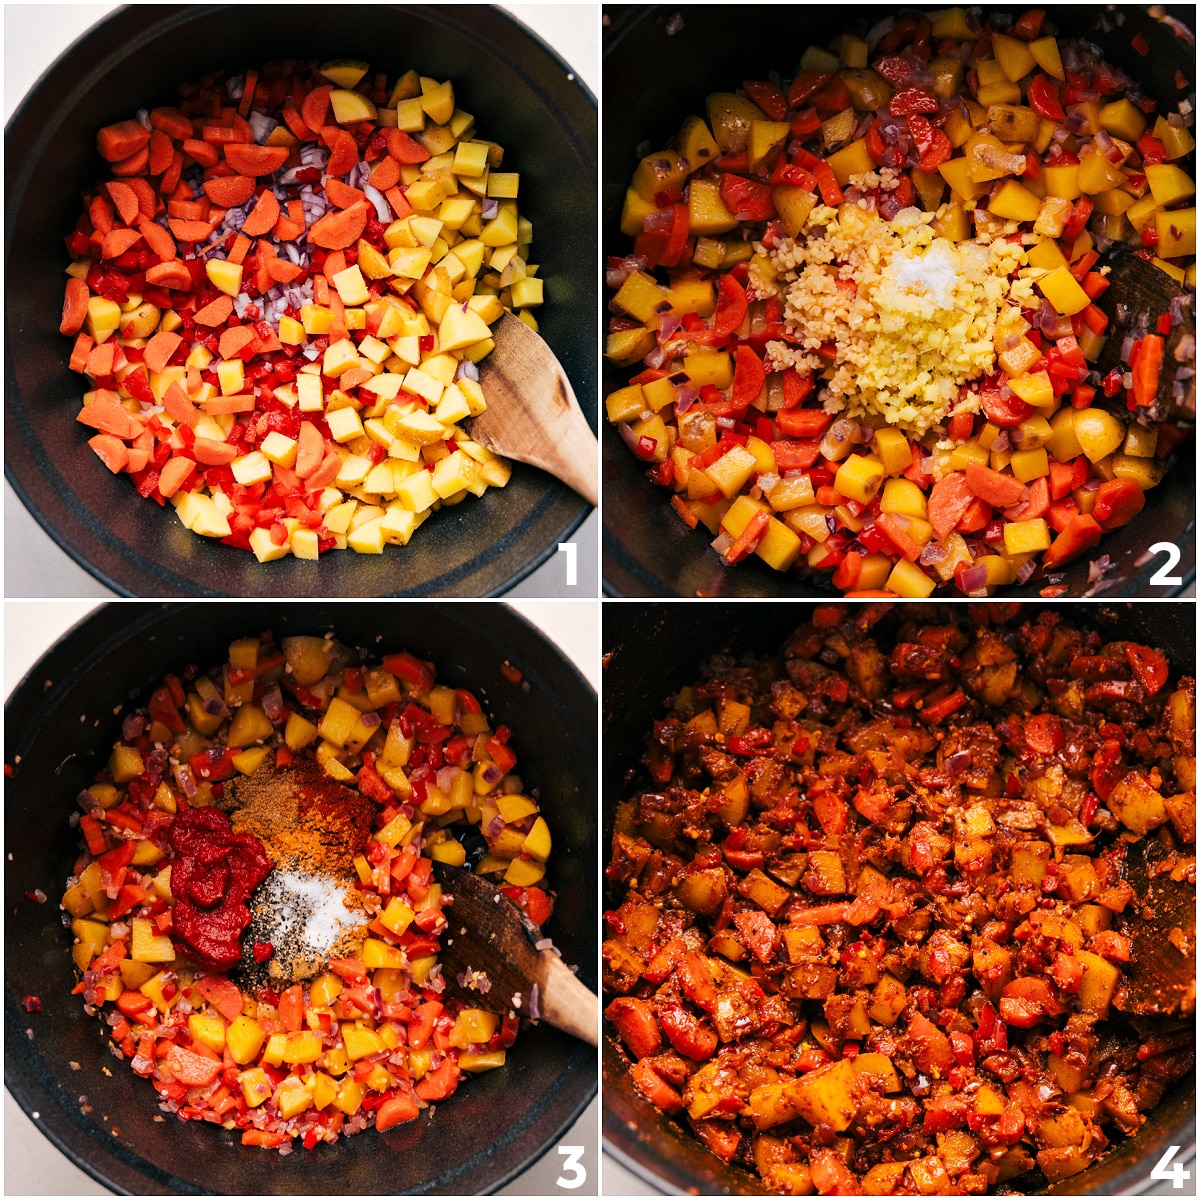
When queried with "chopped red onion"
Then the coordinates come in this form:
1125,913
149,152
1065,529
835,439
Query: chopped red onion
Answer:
628,436
658,221
489,208
973,578
214,706
1185,350
467,370
1003,442
725,422
933,552
722,544
668,327
1025,570
655,358
88,802
382,211
1176,311
1098,568
535,1011
685,397
1127,348
262,126
879,31
673,26
132,726
1013,340
369,720
185,779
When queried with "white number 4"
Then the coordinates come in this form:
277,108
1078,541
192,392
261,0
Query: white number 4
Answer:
1176,1174
578,1178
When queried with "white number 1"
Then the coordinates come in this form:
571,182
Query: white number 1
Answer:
571,549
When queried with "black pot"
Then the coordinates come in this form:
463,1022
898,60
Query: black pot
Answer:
652,650
499,1122
524,96
653,80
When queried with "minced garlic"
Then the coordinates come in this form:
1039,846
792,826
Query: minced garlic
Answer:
918,323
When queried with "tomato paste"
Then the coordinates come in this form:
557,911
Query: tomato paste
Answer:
213,877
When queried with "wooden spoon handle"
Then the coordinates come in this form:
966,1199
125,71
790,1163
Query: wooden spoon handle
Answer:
578,462
566,1003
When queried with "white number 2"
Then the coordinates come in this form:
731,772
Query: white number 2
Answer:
1176,1174
578,1178
1163,577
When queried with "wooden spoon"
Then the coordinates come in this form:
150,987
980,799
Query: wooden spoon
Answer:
487,933
1161,923
532,415
1144,288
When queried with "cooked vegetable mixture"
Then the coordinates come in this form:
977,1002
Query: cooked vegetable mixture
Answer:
253,906
862,306
279,299
871,911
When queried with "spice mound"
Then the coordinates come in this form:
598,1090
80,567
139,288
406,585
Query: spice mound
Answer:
910,317
253,906
875,928
215,872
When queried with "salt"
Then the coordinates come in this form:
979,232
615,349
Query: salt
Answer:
318,901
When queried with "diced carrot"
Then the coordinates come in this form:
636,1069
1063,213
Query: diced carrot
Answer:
320,290
310,451
748,539
113,452
217,405
160,348
203,152
192,1069
105,414
335,264
241,247
190,231
118,241
681,507
948,501
386,174
281,270
158,239
654,1088
235,340
80,351
216,312
295,122
342,195
188,210
343,154
119,141
256,160
135,164
405,149
1000,491
160,153
124,199
898,536
1060,512
291,1007
1146,369
398,201
147,200
75,306
212,453
248,86
179,407
1082,532
101,214
171,275
230,190
174,475
337,230
355,377
262,216
100,361
1037,500
395,1111
172,122
138,458
326,473
1118,501
288,230
170,177
316,106
1060,479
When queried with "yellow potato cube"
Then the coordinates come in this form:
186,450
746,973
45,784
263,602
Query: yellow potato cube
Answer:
1063,292
1028,465
859,478
351,286
1176,233
251,468
904,497
292,1097
359,1041
244,1038
125,763
1098,433
908,580
224,276
524,872
256,1086
707,214
208,1030
1024,537
147,945
731,471
1015,202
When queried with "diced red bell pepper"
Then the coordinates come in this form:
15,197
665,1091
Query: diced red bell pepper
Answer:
1118,501
677,237
795,455
907,101
409,668
1149,665
768,97
1081,213
933,146
746,199
1043,97
805,85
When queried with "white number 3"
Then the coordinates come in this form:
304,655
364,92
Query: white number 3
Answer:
1176,1174
578,1176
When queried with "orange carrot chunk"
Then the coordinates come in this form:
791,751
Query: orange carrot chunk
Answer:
215,313
159,350
337,230
75,306
215,454
119,141
262,216
174,475
113,452
124,199
228,191
179,407
255,160
170,275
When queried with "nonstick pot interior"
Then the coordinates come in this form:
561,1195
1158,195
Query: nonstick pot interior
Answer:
650,651
522,95
60,725
652,80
